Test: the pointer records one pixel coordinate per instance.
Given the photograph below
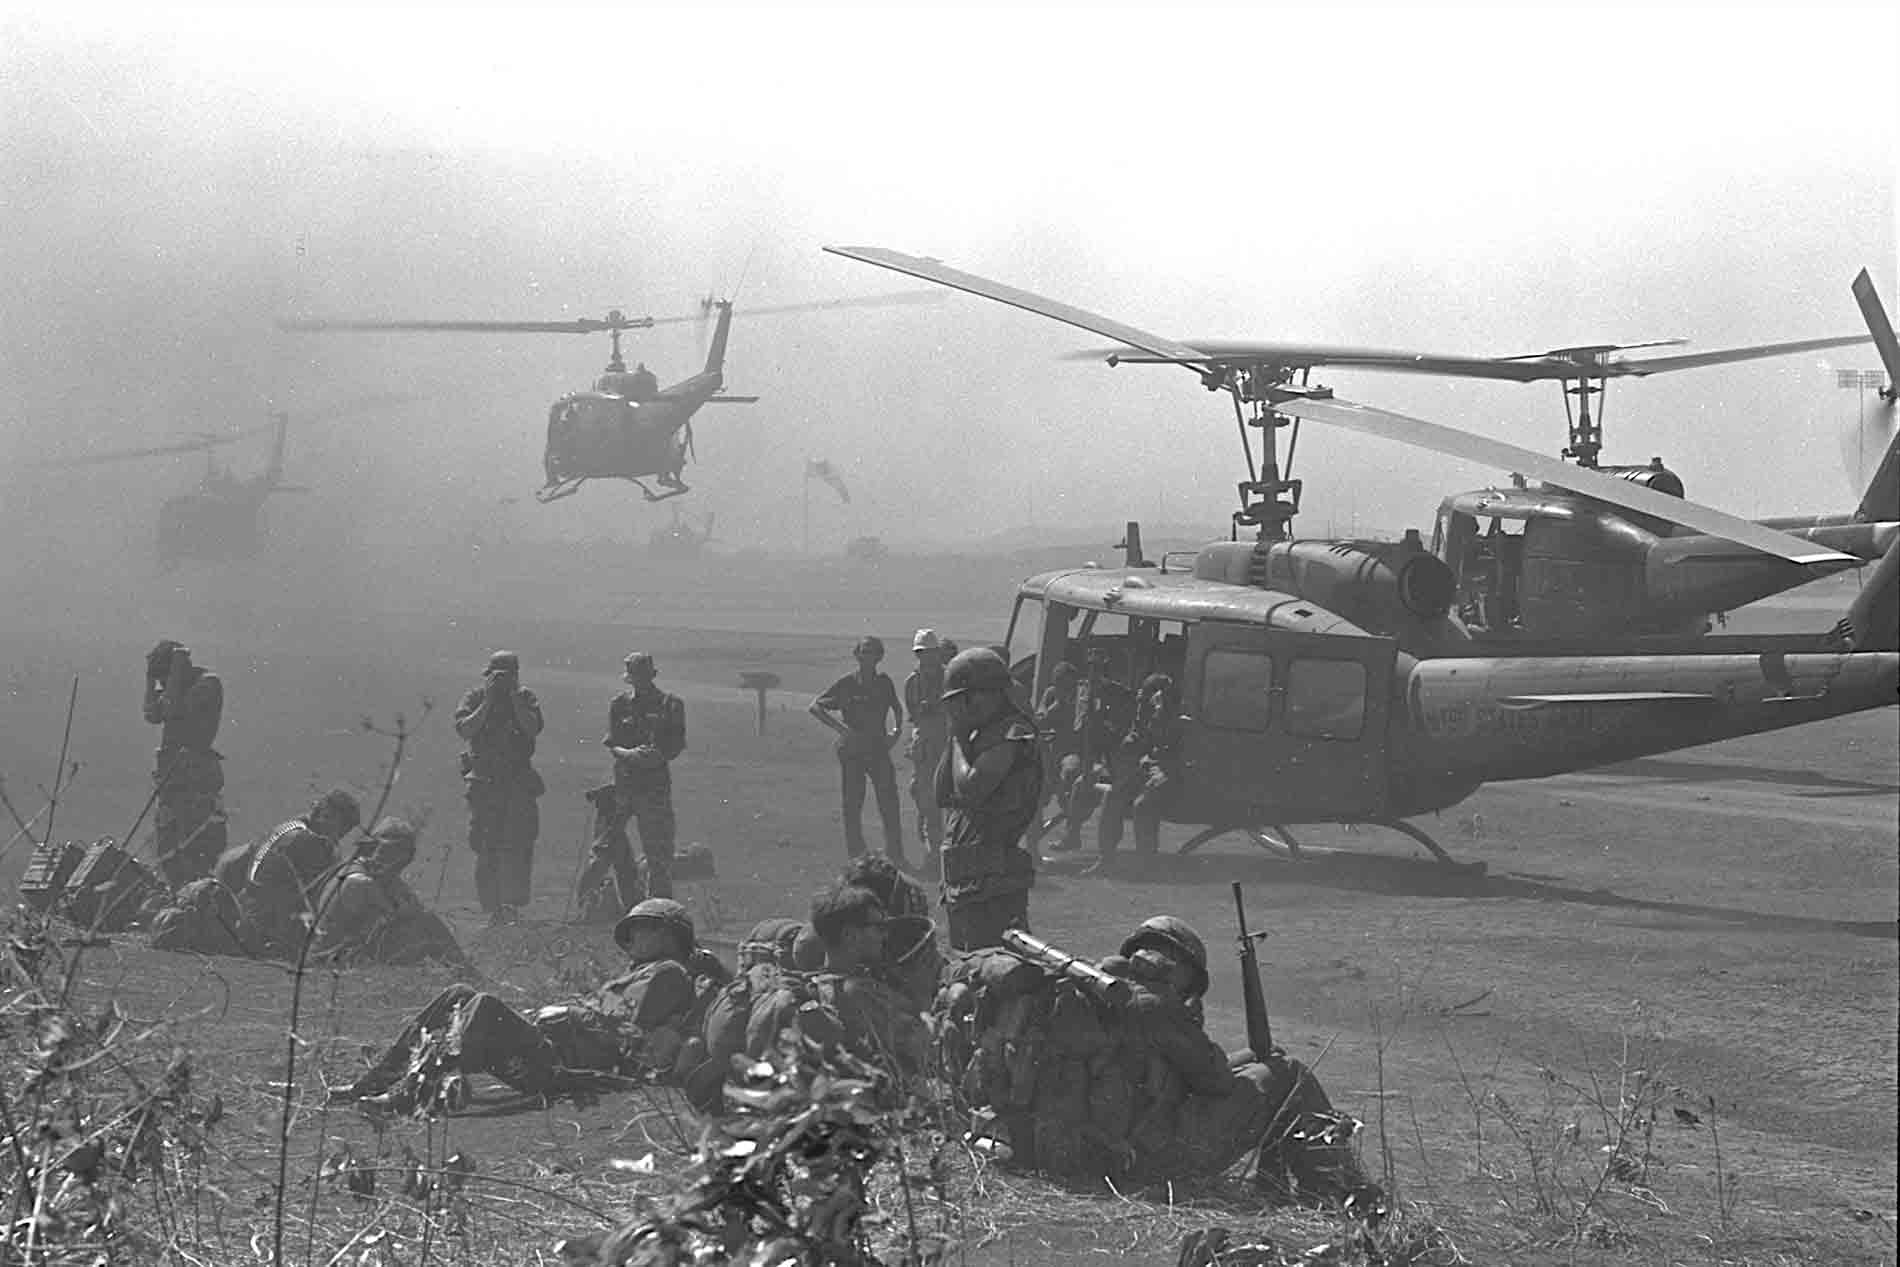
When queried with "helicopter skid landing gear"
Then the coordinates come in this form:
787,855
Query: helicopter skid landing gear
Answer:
1279,840
1437,851
673,487
554,492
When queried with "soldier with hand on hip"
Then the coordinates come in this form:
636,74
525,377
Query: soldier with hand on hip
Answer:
861,702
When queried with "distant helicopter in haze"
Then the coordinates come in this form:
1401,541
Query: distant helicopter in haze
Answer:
626,426
679,539
223,518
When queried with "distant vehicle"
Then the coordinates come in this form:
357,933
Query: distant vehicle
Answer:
679,539
866,549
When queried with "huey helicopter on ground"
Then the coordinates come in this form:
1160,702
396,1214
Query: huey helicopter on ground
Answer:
626,426
223,518
1330,681
1555,567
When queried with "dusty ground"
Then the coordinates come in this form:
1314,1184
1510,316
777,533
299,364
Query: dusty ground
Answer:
1723,920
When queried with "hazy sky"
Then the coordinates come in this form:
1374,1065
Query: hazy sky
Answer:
1491,180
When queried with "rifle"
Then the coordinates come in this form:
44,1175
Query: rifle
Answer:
1253,995
1110,990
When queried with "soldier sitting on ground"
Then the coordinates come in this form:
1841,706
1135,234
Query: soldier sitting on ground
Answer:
1137,1093
365,913
642,1025
276,879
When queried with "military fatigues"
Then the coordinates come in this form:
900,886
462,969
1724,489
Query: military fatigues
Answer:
636,1025
987,873
203,918
503,791
1103,708
1146,771
638,719
1139,1094
929,733
276,883
188,813
863,755
367,918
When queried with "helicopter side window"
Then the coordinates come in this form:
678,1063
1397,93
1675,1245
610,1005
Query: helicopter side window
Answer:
1326,699
1236,690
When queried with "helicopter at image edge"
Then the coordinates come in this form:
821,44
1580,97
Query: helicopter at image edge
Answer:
1548,569
1293,711
626,426
223,518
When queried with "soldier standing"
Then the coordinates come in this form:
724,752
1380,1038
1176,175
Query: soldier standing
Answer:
188,812
991,782
862,700
499,721
929,732
646,731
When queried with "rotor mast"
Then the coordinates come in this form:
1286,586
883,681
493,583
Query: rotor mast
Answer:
1586,433
1269,500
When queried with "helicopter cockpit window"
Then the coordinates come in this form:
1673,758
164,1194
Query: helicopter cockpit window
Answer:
1326,699
1236,690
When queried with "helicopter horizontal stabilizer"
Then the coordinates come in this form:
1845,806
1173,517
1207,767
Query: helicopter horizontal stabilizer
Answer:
1509,457
1608,697
731,400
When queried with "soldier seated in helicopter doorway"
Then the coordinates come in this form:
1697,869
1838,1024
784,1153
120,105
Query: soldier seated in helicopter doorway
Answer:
1145,772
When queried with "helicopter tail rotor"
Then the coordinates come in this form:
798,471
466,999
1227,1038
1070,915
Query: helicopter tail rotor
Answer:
1874,430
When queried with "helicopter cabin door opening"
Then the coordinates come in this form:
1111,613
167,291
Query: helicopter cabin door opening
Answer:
1284,727
1488,562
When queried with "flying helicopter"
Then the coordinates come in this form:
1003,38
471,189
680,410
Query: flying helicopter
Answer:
222,518
1296,709
626,426
1552,568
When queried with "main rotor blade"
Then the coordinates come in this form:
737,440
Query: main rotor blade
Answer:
1878,327
817,305
1561,364
1094,323
347,408
127,455
1440,439
583,325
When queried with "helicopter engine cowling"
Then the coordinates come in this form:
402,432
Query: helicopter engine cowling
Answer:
1397,589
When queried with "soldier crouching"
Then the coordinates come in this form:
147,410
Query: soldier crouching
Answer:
1133,1091
641,1025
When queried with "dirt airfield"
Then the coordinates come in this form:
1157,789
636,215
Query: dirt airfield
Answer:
1717,925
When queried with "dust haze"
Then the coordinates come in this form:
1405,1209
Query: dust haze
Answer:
175,185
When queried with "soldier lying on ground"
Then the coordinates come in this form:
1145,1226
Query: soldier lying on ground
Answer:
640,1025
1138,1093
364,913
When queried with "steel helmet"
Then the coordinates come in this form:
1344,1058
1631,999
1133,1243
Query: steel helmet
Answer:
642,662
926,640
978,669
1176,937
770,941
503,662
663,911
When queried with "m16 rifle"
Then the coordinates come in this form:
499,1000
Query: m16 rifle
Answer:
1253,995
1100,986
